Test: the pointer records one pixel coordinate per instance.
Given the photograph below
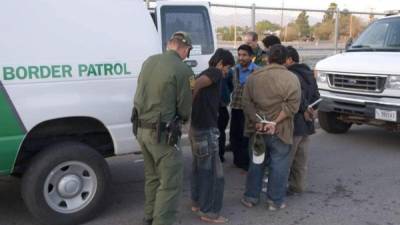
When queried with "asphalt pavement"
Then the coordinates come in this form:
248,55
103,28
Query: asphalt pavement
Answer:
354,179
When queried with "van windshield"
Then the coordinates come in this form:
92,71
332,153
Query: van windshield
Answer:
191,19
383,35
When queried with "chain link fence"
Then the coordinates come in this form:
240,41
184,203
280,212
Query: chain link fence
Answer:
315,33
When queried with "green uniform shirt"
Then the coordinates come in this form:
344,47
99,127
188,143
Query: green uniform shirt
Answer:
164,87
258,57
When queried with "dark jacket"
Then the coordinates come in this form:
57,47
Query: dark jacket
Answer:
226,89
309,94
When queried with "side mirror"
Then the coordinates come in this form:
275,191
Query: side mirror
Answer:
348,44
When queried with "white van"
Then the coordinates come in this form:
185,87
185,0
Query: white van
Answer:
68,72
362,85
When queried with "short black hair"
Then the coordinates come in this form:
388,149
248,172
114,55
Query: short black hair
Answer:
222,55
292,53
278,54
246,48
254,35
270,40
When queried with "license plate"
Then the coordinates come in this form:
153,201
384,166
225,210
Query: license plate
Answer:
387,115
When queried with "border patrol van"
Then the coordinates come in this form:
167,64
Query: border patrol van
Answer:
68,73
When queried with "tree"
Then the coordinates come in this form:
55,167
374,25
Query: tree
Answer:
350,26
228,33
303,26
291,32
330,12
266,26
325,30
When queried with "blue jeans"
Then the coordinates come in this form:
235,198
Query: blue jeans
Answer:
207,181
278,165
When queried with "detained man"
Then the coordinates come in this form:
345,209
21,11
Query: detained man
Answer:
271,98
303,122
207,181
238,140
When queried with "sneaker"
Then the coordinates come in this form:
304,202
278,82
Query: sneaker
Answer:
274,207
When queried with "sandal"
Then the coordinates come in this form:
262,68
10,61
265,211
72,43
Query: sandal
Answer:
218,220
195,209
246,203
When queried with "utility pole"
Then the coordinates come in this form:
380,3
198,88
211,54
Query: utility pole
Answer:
337,29
283,5
351,26
371,16
234,29
253,17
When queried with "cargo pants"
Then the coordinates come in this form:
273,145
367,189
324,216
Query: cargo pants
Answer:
163,169
298,162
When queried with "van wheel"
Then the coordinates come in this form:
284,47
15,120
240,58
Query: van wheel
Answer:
65,184
329,122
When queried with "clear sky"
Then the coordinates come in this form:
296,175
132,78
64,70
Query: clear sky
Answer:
354,5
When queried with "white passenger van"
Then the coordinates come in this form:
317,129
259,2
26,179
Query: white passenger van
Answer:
68,72
362,85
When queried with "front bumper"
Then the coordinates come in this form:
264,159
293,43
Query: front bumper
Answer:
357,105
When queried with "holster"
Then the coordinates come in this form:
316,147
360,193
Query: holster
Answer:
174,131
135,121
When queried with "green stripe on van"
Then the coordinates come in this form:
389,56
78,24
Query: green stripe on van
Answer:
12,132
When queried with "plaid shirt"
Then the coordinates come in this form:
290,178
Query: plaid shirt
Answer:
238,88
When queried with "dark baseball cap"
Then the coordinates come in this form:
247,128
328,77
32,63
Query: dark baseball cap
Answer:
183,36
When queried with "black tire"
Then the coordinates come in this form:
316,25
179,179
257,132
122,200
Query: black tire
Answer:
38,174
329,122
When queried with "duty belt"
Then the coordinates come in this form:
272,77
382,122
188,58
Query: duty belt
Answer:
152,126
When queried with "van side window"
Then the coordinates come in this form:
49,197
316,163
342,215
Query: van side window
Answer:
394,35
192,19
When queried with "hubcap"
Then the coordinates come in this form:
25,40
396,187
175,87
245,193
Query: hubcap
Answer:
70,187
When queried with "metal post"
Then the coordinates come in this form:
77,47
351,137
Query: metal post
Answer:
337,29
351,26
234,29
235,35
282,30
253,17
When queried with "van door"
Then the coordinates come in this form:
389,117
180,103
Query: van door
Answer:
193,18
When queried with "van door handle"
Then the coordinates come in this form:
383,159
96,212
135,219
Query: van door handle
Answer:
191,63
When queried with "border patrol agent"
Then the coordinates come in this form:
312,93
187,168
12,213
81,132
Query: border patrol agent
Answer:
163,94
251,38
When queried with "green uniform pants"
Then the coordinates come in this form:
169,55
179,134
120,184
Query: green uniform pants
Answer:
299,158
163,170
